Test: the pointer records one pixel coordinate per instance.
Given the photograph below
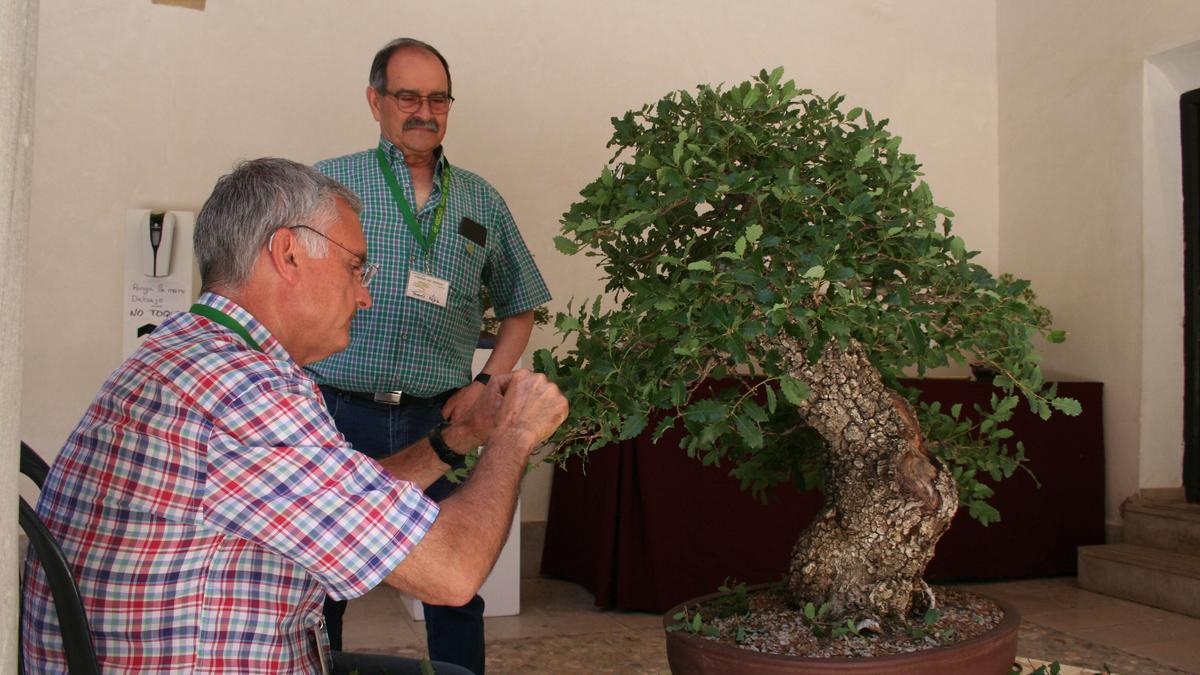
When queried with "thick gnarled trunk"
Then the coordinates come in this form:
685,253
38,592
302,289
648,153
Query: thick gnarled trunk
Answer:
886,501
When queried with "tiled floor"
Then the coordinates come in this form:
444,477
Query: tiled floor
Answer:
559,631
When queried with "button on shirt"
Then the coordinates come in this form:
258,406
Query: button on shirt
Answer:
207,503
405,344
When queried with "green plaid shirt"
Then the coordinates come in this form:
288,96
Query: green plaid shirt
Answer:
409,345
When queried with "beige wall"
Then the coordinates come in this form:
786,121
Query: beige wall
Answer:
144,106
1072,80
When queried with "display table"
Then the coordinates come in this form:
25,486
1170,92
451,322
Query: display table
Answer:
644,527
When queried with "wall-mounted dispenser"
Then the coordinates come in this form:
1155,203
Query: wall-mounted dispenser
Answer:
156,251
159,270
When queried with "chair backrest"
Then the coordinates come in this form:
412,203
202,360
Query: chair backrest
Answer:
33,465
72,620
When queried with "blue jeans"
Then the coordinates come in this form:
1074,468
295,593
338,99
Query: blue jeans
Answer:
453,634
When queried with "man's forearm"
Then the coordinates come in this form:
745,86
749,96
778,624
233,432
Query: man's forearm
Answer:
516,412
470,529
418,463
511,340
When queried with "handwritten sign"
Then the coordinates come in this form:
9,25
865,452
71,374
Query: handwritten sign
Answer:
156,299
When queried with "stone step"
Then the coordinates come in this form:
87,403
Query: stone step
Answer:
1170,527
1149,576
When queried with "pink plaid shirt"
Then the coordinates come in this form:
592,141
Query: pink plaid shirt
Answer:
207,503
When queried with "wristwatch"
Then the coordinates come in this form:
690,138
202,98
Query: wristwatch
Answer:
444,452
483,378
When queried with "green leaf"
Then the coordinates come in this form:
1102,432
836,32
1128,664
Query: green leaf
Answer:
707,411
700,265
794,390
1067,406
754,233
863,155
565,245
749,431
958,247
634,424
756,412
620,223
815,272
1056,336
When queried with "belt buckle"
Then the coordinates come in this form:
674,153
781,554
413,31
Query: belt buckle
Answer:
388,397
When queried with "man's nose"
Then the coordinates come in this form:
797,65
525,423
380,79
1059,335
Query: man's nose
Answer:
364,297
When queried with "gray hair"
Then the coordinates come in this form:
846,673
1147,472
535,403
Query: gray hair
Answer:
248,205
378,78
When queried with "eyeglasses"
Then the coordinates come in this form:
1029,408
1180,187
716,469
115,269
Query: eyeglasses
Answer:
366,271
410,101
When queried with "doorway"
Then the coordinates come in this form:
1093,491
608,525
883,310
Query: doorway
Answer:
1189,115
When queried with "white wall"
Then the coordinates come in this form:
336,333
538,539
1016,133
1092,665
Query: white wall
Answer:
142,105
1072,81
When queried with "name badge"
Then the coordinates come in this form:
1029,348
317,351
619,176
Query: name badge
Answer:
427,288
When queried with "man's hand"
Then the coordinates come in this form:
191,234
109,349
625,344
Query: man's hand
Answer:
531,410
477,406
460,402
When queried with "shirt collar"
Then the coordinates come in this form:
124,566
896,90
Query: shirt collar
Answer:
259,332
396,157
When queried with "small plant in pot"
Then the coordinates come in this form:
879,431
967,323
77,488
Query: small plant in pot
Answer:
774,266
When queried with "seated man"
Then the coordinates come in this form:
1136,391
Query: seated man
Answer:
207,503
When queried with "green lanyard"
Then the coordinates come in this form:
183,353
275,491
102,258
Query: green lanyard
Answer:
406,209
225,320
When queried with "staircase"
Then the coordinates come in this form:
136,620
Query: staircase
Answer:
1159,563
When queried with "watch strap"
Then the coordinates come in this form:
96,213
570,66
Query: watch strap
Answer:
443,451
482,378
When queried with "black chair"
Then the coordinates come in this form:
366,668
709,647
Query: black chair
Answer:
72,620
33,465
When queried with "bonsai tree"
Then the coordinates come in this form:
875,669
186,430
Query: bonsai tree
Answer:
761,233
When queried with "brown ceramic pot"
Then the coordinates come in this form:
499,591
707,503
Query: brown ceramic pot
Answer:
992,653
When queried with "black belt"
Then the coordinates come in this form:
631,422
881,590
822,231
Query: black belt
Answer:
396,398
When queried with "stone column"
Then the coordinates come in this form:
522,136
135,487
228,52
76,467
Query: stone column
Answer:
18,50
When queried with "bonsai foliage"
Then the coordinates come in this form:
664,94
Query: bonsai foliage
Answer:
758,231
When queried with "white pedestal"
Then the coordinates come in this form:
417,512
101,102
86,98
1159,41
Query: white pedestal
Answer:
501,592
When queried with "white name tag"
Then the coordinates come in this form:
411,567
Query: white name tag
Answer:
427,288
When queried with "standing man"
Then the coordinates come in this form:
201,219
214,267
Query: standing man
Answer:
441,234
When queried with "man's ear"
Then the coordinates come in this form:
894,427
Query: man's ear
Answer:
283,250
374,100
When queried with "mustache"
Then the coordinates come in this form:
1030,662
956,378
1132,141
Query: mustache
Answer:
418,123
